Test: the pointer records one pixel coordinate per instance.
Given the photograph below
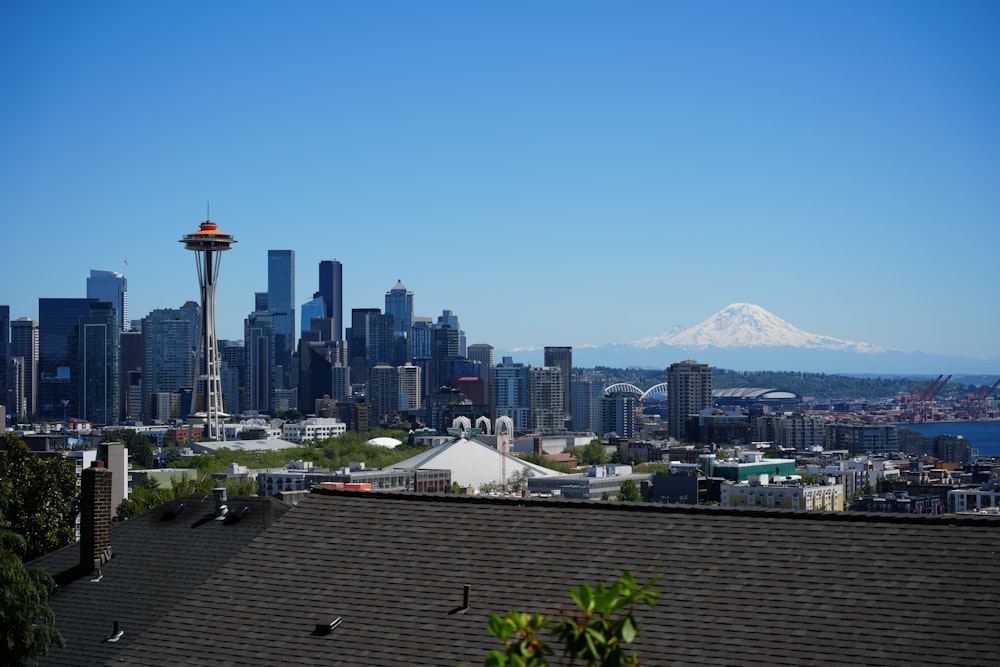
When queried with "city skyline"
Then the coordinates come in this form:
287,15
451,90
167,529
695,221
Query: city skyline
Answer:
607,173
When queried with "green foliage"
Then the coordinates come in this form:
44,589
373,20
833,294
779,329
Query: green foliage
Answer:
330,453
662,468
593,453
140,447
819,385
150,493
630,492
38,497
26,621
516,483
541,460
594,634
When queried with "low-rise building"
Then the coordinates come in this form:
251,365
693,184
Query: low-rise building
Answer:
987,497
759,492
304,477
314,428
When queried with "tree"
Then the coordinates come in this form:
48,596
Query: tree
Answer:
140,447
630,492
545,462
26,621
38,496
595,634
593,453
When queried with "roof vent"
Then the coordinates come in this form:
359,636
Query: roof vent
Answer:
115,635
171,511
235,515
221,508
327,624
466,594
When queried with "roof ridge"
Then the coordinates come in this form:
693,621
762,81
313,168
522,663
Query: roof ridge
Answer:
986,521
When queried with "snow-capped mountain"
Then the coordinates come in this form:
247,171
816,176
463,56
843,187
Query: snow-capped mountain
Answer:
743,336
745,325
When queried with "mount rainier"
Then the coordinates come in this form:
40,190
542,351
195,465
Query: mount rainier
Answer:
745,325
744,336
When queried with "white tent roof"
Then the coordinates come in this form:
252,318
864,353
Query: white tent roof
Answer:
471,462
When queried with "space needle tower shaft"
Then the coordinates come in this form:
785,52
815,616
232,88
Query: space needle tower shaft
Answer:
208,244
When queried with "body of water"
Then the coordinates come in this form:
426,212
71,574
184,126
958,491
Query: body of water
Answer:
984,436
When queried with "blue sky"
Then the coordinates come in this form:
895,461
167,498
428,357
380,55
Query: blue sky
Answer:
556,173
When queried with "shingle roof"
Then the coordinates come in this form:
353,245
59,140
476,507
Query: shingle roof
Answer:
155,563
751,587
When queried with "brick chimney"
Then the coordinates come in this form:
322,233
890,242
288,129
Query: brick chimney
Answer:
95,517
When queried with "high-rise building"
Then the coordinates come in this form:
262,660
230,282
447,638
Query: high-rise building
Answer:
281,305
340,382
381,344
689,391
383,394
410,388
446,345
618,415
130,375
331,289
509,392
483,353
587,396
357,346
258,342
314,309
399,304
112,287
58,373
97,358
449,319
24,351
169,354
232,371
421,330
562,358
5,362
545,399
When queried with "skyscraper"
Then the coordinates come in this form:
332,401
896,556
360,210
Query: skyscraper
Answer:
112,287
130,375
331,289
509,392
587,396
399,304
58,374
98,346
383,394
169,351
281,304
689,391
562,358
258,332
449,319
312,310
618,415
410,388
5,361
24,351
545,399
358,343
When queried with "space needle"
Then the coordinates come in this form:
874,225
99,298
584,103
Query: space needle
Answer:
208,244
